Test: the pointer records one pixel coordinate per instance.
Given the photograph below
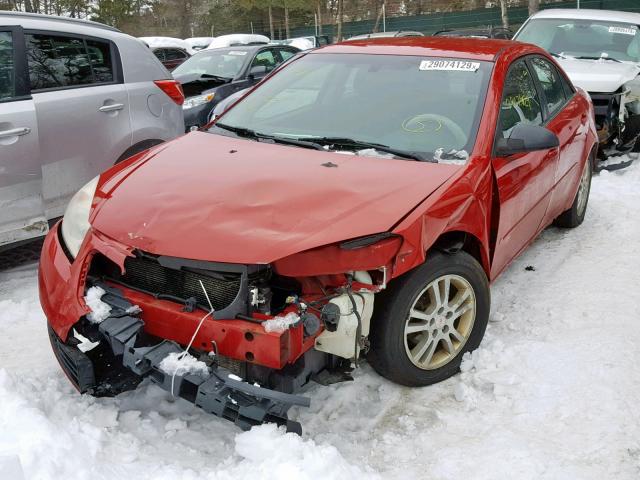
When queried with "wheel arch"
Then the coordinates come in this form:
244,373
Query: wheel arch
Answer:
454,241
138,147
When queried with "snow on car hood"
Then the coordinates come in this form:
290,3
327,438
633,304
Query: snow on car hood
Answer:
211,197
603,76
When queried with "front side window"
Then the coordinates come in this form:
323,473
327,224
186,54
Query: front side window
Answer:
418,104
265,59
58,62
551,83
520,101
584,39
7,67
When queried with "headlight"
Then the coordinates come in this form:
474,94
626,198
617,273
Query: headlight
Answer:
75,222
197,101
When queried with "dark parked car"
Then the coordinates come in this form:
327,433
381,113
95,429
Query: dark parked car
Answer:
212,75
488,32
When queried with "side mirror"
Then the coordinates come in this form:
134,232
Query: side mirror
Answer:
258,71
526,138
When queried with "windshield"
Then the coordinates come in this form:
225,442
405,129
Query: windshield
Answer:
430,106
584,38
219,63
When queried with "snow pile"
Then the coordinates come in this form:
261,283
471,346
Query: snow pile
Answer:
268,453
280,324
100,311
183,363
452,157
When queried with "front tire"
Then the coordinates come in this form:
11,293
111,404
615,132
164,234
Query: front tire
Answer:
427,319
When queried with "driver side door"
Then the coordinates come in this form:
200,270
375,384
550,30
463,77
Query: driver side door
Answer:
524,180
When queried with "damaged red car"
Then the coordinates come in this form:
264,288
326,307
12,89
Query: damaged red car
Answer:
358,202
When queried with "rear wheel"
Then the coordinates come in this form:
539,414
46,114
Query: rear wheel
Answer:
574,216
428,319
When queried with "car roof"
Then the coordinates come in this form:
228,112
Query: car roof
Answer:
52,22
589,14
466,48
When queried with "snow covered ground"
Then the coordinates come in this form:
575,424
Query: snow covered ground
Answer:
552,393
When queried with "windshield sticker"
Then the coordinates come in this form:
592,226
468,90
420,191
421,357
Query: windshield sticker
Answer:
449,65
238,52
632,30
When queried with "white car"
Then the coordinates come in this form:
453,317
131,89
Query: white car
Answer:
168,42
199,43
236,39
600,52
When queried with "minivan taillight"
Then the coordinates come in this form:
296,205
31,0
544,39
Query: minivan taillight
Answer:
173,89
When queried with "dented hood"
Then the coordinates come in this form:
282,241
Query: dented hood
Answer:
210,197
601,76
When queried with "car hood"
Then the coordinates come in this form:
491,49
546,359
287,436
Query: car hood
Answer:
602,76
217,198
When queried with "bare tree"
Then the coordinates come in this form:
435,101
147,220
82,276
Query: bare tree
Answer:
339,21
503,13
534,6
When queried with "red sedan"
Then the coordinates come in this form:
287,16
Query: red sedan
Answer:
359,200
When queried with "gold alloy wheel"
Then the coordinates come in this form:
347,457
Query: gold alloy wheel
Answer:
583,189
440,322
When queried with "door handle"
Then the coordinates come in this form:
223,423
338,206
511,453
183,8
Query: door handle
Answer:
15,132
111,108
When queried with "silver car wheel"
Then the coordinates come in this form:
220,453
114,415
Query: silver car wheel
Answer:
440,322
583,189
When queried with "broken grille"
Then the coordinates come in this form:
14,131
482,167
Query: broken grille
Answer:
144,273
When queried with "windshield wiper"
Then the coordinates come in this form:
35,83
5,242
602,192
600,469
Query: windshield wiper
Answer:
558,55
585,57
360,145
248,133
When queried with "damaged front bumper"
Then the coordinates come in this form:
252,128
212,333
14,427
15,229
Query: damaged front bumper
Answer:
132,348
220,392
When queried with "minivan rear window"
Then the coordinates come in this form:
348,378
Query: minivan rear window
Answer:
62,61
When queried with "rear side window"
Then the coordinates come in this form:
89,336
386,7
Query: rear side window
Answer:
101,62
174,54
61,61
7,68
520,101
159,53
551,83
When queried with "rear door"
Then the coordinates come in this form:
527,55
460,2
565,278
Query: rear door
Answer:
567,117
21,208
82,109
525,180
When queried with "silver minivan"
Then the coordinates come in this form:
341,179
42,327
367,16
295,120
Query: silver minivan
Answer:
76,97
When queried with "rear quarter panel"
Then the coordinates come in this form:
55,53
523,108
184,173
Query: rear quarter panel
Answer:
154,116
